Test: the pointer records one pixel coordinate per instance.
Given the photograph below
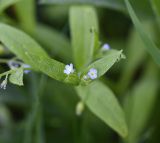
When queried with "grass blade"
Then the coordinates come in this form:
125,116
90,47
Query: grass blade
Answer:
149,44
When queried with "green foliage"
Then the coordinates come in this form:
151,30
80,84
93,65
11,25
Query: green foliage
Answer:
115,4
16,77
31,53
55,43
102,102
149,44
82,20
104,63
140,103
156,7
6,3
26,14
80,104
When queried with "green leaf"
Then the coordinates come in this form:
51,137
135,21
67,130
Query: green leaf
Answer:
115,4
102,102
140,103
31,53
55,43
16,77
142,7
105,63
6,3
82,20
134,58
25,12
149,44
156,8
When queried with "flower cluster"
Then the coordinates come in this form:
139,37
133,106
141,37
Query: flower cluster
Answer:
92,73
15,64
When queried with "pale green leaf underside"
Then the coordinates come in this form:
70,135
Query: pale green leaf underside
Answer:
30,52
82,20
16,77
149,44
102,102
115,4
5,3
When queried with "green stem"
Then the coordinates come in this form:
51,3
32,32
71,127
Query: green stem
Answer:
38,128
3,61
34,112
6,73
11,71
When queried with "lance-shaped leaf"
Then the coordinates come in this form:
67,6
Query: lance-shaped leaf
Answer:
102,102
149,44
31,53
82,20
103,64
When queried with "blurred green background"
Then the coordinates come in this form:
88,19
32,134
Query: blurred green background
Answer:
52,118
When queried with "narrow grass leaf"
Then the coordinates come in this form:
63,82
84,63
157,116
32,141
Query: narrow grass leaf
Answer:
134,58
114,4
149,44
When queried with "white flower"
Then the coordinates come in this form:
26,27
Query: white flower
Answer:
92,73
4,83
105,47
69,69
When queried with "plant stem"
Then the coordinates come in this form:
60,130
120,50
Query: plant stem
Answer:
3,61
34,111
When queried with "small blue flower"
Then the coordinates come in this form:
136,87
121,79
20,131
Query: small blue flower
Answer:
92,73
106,47
69,69
13,64
26,66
